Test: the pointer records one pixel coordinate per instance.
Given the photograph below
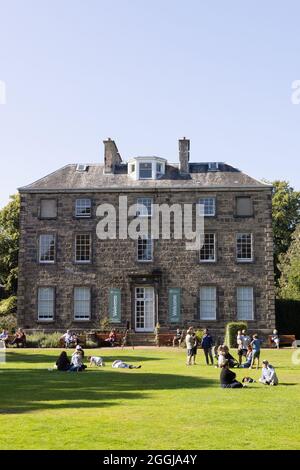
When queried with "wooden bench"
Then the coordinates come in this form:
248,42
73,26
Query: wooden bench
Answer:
101,337
81,338
284,340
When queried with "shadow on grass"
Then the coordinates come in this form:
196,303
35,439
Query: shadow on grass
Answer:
23,391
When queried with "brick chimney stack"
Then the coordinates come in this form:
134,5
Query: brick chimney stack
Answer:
111,156
184,155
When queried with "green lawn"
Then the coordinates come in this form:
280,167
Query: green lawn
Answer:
163,405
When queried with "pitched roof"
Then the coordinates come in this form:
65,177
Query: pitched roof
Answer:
67,179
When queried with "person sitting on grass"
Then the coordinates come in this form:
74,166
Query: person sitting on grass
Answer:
248,362
20,338
228,378
4,338
77,362
63,362
112,338
232,362
118,364
96,361
255,343
268,374
220,355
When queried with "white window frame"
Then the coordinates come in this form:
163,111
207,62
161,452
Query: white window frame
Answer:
90,250
157,172
215,257
49,303
137,247
141,202
238,300
53,237
205,301
147,177
78,203
244,260
201,204
85,301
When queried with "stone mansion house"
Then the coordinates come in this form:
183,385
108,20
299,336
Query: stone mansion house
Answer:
69,278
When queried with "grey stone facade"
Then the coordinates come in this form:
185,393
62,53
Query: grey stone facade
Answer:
114,263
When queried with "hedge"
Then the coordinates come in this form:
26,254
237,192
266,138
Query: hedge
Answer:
231,332
287,314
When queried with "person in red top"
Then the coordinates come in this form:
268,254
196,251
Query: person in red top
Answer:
112,337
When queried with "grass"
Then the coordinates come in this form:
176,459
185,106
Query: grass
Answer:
163,405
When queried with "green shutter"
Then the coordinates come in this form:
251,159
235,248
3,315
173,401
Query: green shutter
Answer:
115,305
174,304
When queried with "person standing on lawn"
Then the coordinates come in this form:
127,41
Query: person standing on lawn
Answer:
275,338
207,344
189,341
255,343
243,341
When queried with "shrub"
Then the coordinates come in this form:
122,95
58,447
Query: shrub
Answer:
8,306
199,335
104,324
231,332
51,340
91,344
34,340
8,322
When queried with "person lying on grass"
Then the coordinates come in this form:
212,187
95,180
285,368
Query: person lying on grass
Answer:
268,374
96,361
228,378
118,364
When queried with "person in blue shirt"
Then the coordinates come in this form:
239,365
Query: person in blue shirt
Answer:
255,343
207,344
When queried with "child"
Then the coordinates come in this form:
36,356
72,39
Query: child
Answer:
255,343
96,361
275,338
221,356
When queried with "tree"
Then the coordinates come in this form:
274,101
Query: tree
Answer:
289,266
286,216
9,248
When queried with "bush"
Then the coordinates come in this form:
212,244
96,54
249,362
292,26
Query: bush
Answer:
91,344
8,322
8,306
51,340
104,324
199,335
34,340
231,332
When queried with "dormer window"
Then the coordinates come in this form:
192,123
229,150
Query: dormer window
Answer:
159,171
81,167
213,166
145,170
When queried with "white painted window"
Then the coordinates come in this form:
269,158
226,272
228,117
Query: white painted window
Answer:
83,208
208,303
208,250
145,170
159,170
245,310
144,249
47,248
48,208
83,248
45,303
207,206
244,247
144,208
82,303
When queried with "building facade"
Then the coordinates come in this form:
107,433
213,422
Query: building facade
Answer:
69,278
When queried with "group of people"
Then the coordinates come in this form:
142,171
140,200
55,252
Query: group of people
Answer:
228,377
19,338
76,363
192,344
72,339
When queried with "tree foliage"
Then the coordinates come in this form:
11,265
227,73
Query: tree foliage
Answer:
289,266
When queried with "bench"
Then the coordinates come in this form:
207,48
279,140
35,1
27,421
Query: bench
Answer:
101,337
284,340
81,338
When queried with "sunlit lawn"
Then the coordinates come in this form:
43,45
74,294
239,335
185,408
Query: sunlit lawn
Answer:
163,405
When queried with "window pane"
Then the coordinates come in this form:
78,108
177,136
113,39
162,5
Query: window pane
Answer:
83,248
82,303
145,170
47,249
144,206
208,303
207,252
48,208
83,208
45,303
144,249
244,206
207,206
244,247
245,303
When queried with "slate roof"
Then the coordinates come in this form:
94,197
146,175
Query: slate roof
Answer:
67,179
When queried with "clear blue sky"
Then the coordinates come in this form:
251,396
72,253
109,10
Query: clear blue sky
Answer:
147,73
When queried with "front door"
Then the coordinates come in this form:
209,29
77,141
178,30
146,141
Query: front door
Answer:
144,309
